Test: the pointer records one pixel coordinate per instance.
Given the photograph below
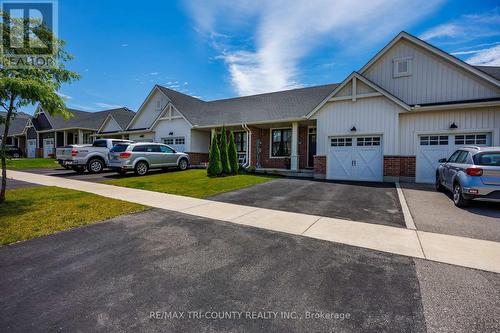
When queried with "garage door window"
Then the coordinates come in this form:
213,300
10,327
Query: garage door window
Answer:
368,141
434,140
168,141
341,142
470,139
179,141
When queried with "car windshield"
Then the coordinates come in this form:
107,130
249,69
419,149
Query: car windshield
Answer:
487,159
119,148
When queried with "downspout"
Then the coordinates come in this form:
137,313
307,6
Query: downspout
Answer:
249,145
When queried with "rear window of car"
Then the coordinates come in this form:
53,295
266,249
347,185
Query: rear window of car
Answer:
487,159
119,148
99,143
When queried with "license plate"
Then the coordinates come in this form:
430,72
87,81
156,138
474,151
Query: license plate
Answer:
67,162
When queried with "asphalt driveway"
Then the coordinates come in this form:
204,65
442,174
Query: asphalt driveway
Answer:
435,212
364,202
131,273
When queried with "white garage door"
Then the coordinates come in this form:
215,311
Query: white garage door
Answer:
177,143
355,158
31,147
432,148
48,147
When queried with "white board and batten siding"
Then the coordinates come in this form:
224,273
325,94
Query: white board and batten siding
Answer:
370,116
149,111
432,78
179,128
111,126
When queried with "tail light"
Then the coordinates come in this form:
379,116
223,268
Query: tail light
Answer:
474,171
125,155
74,152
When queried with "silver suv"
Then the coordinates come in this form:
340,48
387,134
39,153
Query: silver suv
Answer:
142,156
471,173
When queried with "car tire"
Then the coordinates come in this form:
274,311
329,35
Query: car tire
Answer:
95,165
78,169
439,186
141,168
458,198
183,164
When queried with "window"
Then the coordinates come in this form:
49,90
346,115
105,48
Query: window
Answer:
281,142
100,143
240,138
368,141
341,142
462,157
311,130
470,139
87,139
179,141
147,148
454,156
165,149
487,159
158,104
434,140
168,141
402,66
119,148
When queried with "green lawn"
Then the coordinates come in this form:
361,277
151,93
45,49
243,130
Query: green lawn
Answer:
192,183
40,211
31,163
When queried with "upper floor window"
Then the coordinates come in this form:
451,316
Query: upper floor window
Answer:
402,66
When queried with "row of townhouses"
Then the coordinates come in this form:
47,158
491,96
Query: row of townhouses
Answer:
394,118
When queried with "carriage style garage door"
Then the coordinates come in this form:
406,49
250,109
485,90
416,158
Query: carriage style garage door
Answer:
355,158
433,147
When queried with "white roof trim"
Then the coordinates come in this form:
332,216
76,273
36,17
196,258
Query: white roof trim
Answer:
109,116
454,106
433,50
365,81
141,108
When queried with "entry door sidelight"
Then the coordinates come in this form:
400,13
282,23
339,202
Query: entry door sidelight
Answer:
311,146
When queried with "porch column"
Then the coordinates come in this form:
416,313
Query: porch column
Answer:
294,156
55,139
65,138
80,137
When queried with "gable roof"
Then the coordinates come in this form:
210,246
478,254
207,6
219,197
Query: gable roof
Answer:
88,120
17,124
275,106
404,35
493,71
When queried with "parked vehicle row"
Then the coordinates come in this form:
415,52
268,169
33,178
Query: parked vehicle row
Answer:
13,151
471,173
120,156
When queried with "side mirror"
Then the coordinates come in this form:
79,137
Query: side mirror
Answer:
443,160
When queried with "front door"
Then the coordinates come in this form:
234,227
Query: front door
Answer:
311,146
48,148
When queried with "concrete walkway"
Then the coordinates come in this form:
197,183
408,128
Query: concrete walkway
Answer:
461,251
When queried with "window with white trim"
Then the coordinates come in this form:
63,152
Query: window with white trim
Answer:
179,141
368,141
402,66
341,142
470,139
168,141
434,140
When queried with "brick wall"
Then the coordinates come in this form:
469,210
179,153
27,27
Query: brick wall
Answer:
320,164
399,166
198,158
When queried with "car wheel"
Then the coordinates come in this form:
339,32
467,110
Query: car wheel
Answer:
78,169
439,186
95,165
141,168
458,198
183,164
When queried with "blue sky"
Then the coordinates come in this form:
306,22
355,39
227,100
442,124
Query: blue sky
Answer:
220,49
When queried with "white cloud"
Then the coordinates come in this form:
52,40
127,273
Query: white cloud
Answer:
287,31
153,73
82,107
486,57
108,106
443,30
63,96
124,45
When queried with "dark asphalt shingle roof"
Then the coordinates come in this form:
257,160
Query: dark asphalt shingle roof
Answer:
493,71
17,124
94,120
281,105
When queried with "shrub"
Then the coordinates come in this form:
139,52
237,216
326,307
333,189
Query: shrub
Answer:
214,161
232,154
226,168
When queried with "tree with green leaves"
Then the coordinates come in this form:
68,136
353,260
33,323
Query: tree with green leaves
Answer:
30,84
214,163
226,168
232,154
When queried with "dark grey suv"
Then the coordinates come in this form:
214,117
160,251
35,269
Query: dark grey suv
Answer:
471,173
142,156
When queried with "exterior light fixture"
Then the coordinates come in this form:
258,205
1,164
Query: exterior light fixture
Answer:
453,126
353,129
171,133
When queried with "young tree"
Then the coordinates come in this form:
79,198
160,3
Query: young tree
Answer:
233,154
214,163
226,168
30,84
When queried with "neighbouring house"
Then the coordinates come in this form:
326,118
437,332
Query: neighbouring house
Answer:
19,130
40,134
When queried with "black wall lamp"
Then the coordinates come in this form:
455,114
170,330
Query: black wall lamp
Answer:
453,126
353,129
171,133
